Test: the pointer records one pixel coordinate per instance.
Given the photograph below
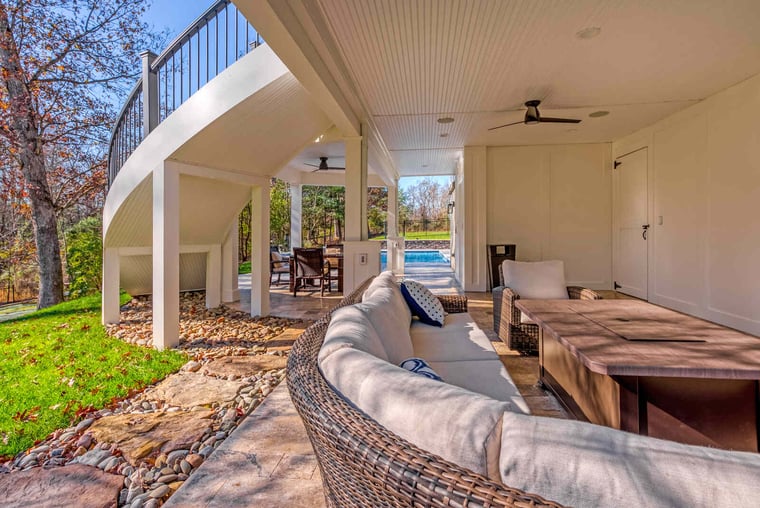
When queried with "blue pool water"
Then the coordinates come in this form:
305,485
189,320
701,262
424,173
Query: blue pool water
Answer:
416,256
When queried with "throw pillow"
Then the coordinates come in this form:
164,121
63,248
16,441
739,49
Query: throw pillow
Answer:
423,303
420,366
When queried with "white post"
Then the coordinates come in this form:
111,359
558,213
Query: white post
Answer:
230,291
356,190
260,251
165,256
111,282
296,200
214,276
392,218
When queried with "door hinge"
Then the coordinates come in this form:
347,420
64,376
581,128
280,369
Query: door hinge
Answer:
617,163
616,286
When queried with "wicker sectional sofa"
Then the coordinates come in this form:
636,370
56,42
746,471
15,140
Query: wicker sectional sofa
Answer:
385,436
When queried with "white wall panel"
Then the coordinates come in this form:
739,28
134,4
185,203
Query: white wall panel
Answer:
678,253
554,202
707,189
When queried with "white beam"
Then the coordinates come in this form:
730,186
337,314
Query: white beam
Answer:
111,282
230,291
165,256
474,219
356,189
281,28
214,277
392,217
260,251
296,200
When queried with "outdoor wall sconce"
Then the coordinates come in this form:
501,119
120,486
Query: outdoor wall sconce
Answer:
450,208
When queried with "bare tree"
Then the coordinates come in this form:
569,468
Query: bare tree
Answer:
60,61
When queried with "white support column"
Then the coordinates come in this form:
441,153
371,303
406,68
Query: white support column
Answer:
230,291
356,189
474,220
111,282
392,217
260,251
214,276
296,200
165,256
361,258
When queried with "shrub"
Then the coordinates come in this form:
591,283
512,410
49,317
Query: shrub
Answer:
84,262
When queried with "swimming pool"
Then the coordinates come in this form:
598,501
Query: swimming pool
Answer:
417,256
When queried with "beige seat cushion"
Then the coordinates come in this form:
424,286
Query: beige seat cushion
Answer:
459,425
459,339
539,280
487,377
580,464
350,327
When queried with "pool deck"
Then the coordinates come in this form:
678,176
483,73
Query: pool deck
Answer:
268,460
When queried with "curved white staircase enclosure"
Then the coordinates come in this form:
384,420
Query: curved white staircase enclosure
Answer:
230,137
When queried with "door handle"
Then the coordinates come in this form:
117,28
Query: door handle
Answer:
645,227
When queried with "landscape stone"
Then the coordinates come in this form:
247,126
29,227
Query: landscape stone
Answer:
188,389
39,487
243,366
92,458
139,435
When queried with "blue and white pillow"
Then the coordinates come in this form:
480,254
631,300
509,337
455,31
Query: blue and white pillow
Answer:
423,303
420,366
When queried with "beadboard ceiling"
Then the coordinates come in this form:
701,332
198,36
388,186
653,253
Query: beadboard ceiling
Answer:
477,61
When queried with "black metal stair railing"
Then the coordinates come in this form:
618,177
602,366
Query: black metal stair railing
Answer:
219,38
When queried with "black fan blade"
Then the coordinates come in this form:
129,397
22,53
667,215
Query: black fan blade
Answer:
312,165
505,125
545,119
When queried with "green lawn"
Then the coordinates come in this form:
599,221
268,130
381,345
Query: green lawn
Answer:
244,267
421,235
58,361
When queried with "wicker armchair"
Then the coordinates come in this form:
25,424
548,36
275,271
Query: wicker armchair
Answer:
519,336
361,462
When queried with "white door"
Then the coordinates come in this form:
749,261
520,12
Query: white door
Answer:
631,224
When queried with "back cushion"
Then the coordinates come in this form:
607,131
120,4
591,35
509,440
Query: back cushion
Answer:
391,319
385,279
580,464
540,280
459,425
351,328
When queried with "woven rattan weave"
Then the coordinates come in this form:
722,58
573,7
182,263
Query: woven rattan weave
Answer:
363,464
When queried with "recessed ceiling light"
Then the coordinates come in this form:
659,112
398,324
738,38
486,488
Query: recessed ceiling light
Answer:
445,119
445,135
589,33
599,114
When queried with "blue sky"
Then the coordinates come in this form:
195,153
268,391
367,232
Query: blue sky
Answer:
176,15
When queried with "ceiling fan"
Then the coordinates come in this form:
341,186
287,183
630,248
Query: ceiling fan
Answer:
322,166
532,116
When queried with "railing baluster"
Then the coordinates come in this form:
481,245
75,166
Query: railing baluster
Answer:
148,103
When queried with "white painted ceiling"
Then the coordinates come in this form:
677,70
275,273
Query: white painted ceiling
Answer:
478,61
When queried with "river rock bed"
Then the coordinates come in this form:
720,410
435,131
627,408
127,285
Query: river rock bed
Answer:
157,438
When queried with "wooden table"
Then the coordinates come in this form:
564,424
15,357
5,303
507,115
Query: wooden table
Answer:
634,366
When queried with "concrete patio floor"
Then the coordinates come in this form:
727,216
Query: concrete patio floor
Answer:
268,460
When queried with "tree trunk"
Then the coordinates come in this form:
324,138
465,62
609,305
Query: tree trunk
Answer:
24,131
